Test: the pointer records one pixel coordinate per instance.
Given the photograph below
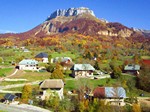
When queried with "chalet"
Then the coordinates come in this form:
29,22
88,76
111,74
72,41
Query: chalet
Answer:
26,50
132,69
111,95
50,87
65,62
61,59
42,57
28,64
82,70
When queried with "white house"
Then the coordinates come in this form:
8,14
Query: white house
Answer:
65,62
82,70
61,59
52,87
26,50
28,64
42,57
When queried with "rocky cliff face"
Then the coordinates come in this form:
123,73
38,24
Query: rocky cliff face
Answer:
70,12
79,21
146,33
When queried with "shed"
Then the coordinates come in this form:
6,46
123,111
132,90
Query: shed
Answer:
10,97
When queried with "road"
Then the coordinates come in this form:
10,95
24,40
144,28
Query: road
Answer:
21,108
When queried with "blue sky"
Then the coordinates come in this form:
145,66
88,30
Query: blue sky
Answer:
23,15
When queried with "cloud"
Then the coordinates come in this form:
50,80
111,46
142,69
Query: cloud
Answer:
7,31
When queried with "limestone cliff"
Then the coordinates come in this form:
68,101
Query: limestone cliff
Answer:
70,12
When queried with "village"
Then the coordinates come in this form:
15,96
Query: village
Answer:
43,77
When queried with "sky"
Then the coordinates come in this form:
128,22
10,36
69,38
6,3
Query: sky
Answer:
22,15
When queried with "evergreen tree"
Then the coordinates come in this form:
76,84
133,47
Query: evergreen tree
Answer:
96,65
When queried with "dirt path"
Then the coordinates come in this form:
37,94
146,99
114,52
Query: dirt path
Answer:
16,70
2,88
12,73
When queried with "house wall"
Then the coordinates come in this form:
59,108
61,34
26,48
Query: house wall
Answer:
117,102
77,74
47,94
45,60
27,67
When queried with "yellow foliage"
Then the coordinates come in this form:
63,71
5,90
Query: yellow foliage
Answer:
136,108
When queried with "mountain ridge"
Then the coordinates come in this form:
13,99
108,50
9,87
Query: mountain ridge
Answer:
79,21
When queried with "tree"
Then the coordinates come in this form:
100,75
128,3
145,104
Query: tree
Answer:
66,105
57,73
1,59
83,85
52,102
143,80
136,58
88,55
49,58
96,65
50,67
26,92
136,108
116,72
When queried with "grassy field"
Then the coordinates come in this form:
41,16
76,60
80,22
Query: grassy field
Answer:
5,71
72,84
145,57
4,83
20,88
32,76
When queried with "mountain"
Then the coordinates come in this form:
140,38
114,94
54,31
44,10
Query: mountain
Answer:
146,33
80,21
70,12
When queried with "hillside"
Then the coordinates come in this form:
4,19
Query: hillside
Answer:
82,24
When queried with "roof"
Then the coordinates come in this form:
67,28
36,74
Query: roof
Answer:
41,55
146,61
82,67
62,59
28,62
26,50
9,97
52,83
109,92
132,67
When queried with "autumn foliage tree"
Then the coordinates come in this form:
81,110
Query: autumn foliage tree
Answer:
57,73
116,72
143,79
26,92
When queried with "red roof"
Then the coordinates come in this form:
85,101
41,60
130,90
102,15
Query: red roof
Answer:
146,62
99,92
